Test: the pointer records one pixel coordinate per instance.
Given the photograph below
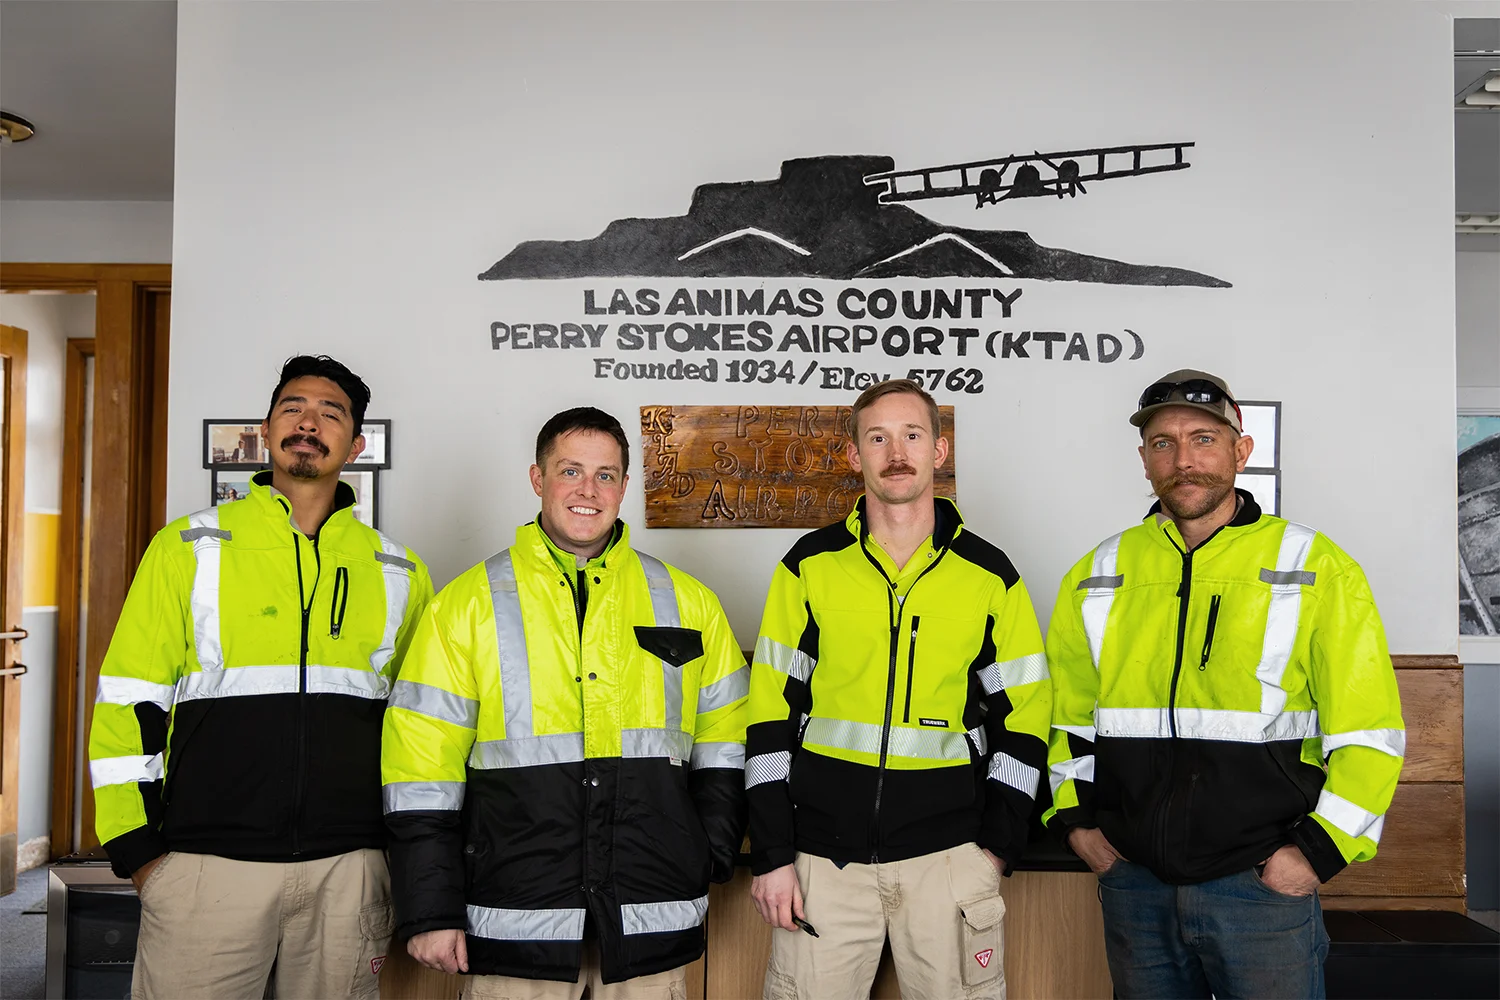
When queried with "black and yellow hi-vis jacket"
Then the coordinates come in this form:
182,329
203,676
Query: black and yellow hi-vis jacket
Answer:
563,749
891,718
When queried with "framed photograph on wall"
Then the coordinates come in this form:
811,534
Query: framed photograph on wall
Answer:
233,444
377,453
366,486
231,484
1262,475
1479,523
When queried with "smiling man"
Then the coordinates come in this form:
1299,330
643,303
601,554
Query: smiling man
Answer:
899,708
1227,731
564,757
263,635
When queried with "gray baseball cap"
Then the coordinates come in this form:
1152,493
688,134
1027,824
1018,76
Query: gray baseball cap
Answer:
1188,387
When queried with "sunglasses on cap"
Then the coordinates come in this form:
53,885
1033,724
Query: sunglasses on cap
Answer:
1194,390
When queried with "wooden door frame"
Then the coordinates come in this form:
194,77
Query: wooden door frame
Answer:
129,449
12,587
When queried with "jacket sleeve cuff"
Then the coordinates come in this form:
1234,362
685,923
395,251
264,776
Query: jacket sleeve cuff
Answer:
1319,848
133,850
770,859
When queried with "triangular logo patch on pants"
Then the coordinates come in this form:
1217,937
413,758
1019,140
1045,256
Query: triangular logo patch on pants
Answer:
378,961
983,957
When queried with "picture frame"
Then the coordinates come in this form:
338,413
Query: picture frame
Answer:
1261,420
233,483
234,444
377,453
1478,458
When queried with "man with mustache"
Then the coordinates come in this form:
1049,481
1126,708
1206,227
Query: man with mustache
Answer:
1226,728
899,707
565,751
235,749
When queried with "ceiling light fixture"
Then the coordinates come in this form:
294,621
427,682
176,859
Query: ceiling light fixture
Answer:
14,128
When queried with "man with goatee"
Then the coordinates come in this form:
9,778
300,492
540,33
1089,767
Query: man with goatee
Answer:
1226,729
899,706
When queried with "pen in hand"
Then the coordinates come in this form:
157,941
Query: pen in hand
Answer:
804,925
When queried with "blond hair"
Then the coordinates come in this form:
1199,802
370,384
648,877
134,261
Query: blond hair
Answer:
889,388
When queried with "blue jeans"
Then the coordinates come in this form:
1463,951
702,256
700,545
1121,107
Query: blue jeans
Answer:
1228,938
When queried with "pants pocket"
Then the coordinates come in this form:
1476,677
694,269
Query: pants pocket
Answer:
376,923
149,885
983,939
778,985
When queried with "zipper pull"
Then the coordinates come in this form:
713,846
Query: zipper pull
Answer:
1208,638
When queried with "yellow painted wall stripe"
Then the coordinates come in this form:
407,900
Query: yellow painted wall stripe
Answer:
40,548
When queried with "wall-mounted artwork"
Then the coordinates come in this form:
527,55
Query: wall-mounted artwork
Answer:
235,450
1479,524
1261,421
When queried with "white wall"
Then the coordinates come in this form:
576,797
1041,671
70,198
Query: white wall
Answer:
86,232
49,320
549,121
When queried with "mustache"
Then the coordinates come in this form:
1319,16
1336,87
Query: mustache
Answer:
898,469
294,439
1193,479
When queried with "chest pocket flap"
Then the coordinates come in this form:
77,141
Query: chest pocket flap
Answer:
676,646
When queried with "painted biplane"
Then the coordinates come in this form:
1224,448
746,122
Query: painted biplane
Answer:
1039,175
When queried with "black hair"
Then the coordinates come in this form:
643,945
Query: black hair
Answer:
322,366
582,418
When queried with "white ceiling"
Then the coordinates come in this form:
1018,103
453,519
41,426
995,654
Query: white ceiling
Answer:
98,80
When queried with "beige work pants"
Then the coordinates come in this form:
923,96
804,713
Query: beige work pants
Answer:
211,927
669,985
942,912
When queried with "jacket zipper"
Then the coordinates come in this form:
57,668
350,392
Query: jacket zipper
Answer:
911,665
340,601
894,607
299,785
1208,640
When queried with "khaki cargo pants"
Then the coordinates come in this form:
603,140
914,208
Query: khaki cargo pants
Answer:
211,927
942,912
669,985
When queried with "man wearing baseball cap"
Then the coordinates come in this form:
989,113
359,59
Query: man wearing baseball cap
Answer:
1226,730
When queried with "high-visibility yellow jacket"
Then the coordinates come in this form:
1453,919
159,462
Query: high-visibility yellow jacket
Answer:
240,701
1214,705
891,718
567,747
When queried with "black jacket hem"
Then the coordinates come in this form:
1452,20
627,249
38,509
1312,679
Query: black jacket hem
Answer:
133,850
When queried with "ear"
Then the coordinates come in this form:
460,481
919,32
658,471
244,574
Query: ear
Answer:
1243,447
1142,452
851,452
624,482
941,453
356,448
536,479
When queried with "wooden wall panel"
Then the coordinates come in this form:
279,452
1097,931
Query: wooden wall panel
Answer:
401,978
1455,904
1432,704
1421,847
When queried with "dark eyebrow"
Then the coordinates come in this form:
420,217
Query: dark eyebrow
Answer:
335,404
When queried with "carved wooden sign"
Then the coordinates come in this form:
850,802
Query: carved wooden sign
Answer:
755,466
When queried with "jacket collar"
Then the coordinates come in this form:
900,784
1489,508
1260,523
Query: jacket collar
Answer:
273,503
532,542
947,521
1248,515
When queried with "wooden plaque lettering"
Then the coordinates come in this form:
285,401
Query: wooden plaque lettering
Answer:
755,466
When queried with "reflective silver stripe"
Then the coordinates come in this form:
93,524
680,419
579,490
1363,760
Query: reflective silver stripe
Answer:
115,690
1102,582
125,770
1352,819
724,755
1077,769
396,571
1281,617
193,534
1206,724
673,743
1018,775
352,681
1013,673
239,682
1097,602
436,703
510,637
1391,741
664,610
724,692
1085,732
764,767
204,600
661,918
525,925
390,558
980,739
864,737
787,660
531,751
1294,578
429,796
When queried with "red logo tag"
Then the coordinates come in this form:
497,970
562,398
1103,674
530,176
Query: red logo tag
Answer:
983,957
379,960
